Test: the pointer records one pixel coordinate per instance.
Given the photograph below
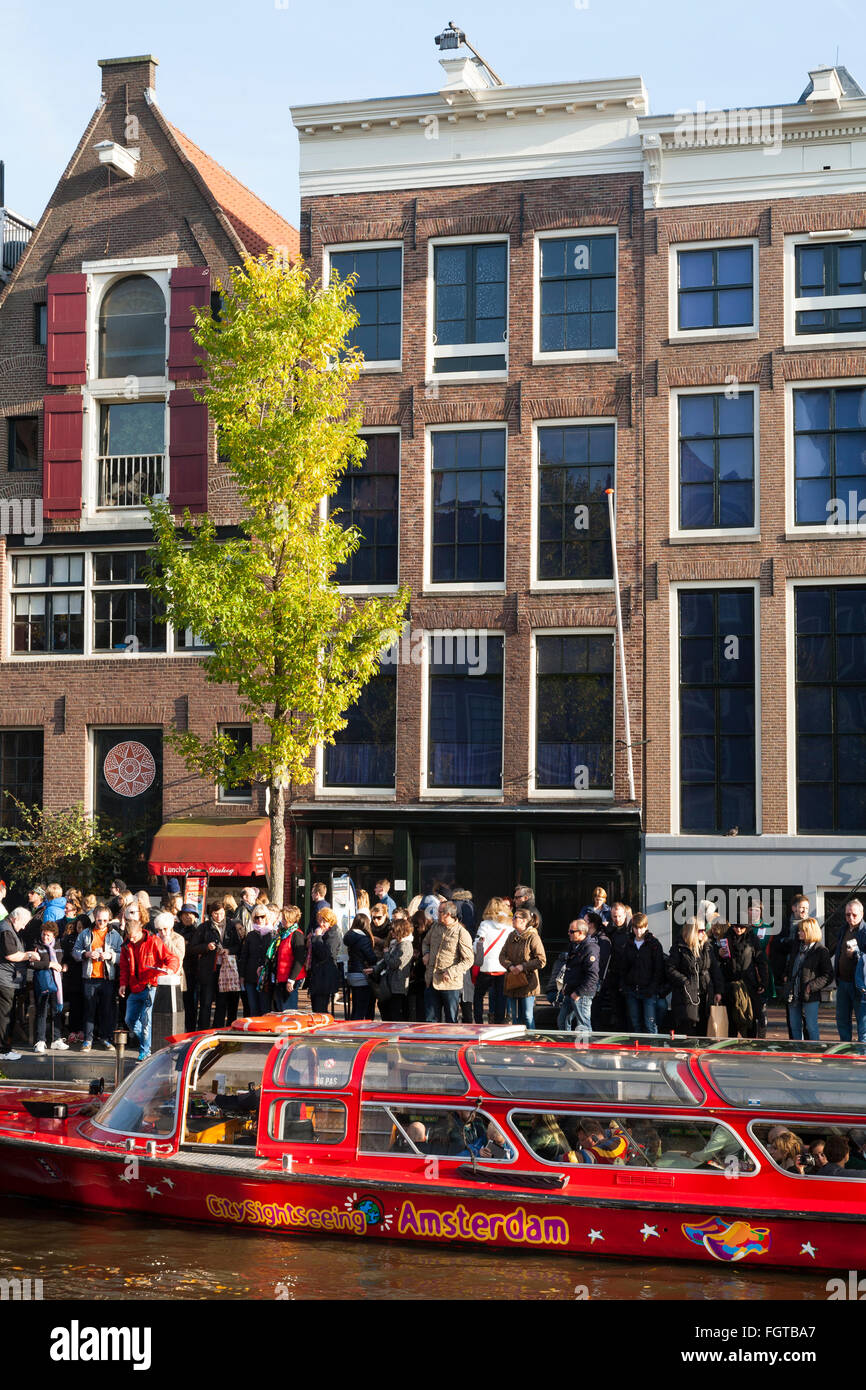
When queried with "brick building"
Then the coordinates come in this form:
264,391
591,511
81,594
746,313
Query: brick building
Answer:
96,364
755,425
497,235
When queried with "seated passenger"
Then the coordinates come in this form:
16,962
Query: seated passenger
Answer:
445,1137
600,1144
838,1151
647,1140
497,1146
786,1150
547,1140
415,1132
720,1148
857,1161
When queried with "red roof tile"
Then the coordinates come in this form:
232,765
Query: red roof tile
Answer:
257,225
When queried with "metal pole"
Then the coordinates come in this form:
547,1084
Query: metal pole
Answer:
621,644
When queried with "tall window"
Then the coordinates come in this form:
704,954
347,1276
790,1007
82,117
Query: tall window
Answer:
717,711
132,329
363,754
716,461
48,603
574,712
125,613
131,453
242,737
468,491
715,288
578,293
465,712
20,772
829,454
23,442
470,315
368,498
377,299
831,708
825,273
575,466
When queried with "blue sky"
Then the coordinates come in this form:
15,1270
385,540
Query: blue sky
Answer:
230,69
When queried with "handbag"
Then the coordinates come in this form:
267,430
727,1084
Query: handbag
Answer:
229,980
717,1025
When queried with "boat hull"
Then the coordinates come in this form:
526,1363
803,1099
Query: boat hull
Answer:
182,1188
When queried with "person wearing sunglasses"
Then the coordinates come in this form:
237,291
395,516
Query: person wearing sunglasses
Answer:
745,979
695,980
252,959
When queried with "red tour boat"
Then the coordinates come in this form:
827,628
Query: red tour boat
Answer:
485,1136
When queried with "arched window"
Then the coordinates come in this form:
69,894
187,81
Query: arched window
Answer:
132,329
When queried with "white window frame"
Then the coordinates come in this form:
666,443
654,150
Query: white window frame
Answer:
687,335
537,793
560,585
394,364
540,358
324,512
674,704
793,532
326,793
477,586
711,534
101,277
428,793
825,581
806,342
228,796
431,377
90,589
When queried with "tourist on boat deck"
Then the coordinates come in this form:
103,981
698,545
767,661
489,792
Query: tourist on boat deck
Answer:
850,968
581,978
523,957
142,958
448,954
809,971
323,975
493,931
252,963
358,943
642,975
744,976
695,979
98,948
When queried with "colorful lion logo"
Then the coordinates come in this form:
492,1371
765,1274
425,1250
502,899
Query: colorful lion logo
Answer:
729,1241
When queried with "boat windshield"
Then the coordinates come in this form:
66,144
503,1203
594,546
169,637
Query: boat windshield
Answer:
562,1073
322,1062
826,1085
146,1102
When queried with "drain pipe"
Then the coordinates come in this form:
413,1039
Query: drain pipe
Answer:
624,681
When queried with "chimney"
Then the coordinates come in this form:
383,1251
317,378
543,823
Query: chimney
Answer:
826,88
129,79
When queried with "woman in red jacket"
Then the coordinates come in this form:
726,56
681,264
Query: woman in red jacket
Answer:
142,960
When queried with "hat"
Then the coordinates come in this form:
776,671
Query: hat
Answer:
190,907
173,885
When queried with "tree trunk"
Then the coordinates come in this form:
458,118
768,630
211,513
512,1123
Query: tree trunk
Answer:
277,879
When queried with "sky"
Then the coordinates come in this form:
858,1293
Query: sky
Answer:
231,69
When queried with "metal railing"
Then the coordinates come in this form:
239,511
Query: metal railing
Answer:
14,236
126,480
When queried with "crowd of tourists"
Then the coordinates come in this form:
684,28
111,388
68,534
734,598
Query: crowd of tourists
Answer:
88,965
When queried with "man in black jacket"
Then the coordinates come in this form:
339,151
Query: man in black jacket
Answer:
581,978
642,977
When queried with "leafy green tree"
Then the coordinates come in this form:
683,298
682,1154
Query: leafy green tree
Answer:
69,846
265,600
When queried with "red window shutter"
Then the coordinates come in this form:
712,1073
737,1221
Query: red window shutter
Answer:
61,455
187,452
189,285
67,330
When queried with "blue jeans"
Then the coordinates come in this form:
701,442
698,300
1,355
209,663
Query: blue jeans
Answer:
523,1010
139,1010
257,1001
848,998
98,1009
441,1005
808,1013
575,1013
285,998
496,985
641,1013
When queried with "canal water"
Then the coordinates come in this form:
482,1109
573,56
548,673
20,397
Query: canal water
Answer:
95,1255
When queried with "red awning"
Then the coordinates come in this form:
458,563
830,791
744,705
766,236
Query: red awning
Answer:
221,848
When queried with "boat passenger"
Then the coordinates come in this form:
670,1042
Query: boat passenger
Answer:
547,1140
837,1150
602,1144
857,1140
415,1132
446,1138
787,1151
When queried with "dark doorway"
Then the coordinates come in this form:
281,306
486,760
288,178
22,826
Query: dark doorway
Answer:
561,890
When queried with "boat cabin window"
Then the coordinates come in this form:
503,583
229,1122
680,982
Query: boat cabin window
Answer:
433,1131
822,1084
146,1102
813,1150
626,1141
563,1073
308,1120
321,1062
225,1087
415,1069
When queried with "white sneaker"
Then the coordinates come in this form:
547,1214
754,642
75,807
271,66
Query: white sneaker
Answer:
59,1045
40,1047
10,1056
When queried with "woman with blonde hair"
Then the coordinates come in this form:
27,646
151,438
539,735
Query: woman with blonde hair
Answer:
143,900
493,931
695,979
808,973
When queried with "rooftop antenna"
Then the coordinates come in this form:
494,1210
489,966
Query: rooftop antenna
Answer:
453,37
